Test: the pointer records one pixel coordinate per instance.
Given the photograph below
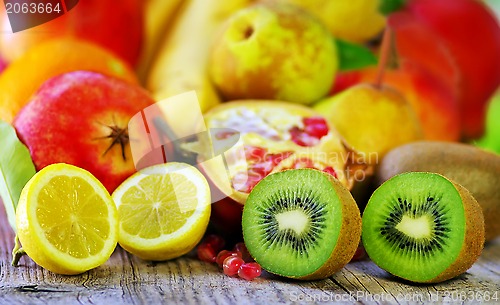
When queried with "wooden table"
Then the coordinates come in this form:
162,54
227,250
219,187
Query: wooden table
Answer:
125,279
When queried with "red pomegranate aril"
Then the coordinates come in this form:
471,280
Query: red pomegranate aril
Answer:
316,130
206,253
278,157
221,257
330,171
231,265
303,163
215,241
314,120
254,153
242,250
295,131
249,271
262,169
305,140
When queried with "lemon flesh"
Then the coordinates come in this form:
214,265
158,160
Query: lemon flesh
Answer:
163,211
67,222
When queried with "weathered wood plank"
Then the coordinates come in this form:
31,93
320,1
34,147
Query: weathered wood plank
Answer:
125,279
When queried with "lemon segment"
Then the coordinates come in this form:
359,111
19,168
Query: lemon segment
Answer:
67,221
163,211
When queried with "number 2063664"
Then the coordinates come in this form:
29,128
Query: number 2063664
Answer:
479,296
33,8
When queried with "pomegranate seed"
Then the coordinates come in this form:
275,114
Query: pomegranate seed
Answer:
277,158
242,250
305,140
295,131
359,254
303,163
262,169
316,130
206,253
313,120
221,257
301,138
215,241
249,271
331,171
231,265
255,153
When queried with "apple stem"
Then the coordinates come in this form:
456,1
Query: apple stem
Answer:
385,52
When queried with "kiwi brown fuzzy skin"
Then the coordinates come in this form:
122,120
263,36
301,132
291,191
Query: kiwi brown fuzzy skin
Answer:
473,240
475,169
349,236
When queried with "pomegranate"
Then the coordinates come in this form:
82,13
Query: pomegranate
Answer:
275,136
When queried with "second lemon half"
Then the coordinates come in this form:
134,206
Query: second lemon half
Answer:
163,211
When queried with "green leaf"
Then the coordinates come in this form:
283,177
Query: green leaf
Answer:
16,168
354,56
389,6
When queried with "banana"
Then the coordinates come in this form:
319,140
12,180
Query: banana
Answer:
158,16
182,63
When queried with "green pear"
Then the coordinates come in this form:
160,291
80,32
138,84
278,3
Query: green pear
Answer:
274,51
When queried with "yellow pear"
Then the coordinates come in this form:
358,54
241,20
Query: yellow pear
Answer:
372,119
354,20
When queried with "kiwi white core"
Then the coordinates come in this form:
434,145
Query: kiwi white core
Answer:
295,220
419,227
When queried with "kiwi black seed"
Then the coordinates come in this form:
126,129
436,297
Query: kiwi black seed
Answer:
475,169
301,223
423,227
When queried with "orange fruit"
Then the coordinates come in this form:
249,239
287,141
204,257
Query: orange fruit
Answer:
23,76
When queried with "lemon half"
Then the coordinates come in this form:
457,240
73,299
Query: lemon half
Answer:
163,211
66,220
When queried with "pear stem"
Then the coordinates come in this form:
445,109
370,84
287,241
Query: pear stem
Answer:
385,52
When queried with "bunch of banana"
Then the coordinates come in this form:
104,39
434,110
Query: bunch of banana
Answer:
182,61
158,16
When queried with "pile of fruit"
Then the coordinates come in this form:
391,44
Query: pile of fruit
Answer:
363,127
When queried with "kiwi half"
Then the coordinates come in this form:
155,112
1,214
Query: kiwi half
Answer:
422,227
301,223
475,169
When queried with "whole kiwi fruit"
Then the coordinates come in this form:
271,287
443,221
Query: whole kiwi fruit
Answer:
301,224
423,227
474,168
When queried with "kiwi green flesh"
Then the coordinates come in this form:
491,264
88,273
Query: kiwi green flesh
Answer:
414,226
291,222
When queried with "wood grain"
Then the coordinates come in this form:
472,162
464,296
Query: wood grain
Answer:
125,279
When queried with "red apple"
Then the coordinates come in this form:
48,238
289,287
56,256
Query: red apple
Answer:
117,26
435,104
459,41
81,118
